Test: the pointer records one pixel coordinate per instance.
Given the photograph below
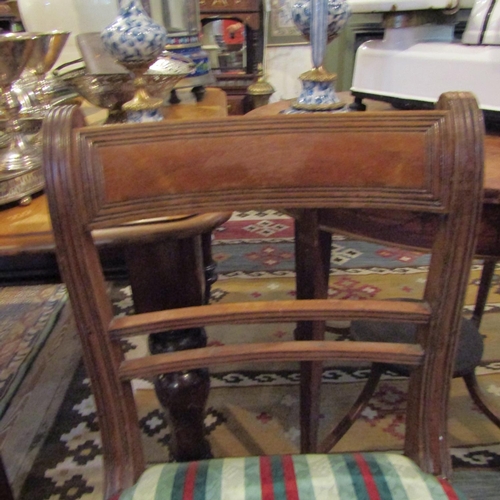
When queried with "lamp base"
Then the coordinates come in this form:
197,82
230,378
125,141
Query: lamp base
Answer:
318,92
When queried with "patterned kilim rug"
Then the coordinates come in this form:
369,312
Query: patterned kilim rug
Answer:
27,316
254,252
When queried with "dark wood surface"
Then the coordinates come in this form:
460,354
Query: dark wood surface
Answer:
242,163
27,247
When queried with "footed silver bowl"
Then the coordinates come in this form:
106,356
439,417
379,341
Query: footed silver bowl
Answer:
111,91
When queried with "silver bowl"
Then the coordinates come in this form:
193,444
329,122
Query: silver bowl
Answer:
111,91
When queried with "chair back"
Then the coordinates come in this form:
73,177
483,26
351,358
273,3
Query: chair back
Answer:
102,179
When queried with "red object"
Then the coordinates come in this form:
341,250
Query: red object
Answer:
233,32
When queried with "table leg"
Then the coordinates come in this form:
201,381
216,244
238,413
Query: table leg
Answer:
209,264
167,275
312,265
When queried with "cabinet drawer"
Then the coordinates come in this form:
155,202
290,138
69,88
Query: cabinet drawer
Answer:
210,6
238,104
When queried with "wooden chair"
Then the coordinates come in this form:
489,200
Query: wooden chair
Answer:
467,358
100,178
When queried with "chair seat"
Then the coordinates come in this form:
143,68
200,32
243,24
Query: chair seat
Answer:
349,476
470,342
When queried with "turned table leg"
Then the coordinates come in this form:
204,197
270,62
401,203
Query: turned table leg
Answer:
184,396
166,275
209,265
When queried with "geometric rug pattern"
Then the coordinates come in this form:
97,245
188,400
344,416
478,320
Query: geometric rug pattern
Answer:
27,316
72,463
254,253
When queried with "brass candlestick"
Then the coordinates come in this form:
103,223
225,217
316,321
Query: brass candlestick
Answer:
141,101
261,90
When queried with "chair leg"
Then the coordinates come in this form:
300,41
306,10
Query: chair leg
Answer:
482,293
335,435
477,396
470,379
312,262
311,373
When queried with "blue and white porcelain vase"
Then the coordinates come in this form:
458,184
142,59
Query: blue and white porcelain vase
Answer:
136,41
133,37
320,21
338,12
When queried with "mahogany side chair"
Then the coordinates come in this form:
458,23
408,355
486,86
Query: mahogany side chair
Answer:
101,178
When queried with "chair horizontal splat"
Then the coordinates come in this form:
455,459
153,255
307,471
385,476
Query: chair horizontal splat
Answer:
408,354
392,169
272,311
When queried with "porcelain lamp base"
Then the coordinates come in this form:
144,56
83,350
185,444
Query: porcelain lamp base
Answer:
318,92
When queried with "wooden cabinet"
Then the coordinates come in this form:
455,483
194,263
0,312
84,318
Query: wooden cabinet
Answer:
244,7
235,86
235,83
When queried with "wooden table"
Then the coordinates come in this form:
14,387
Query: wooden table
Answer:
409,229
173,269
26,243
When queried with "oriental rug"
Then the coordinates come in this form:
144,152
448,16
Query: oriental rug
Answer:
27,316
37,344
252,412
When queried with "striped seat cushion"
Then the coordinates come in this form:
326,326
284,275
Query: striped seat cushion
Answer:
367,476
